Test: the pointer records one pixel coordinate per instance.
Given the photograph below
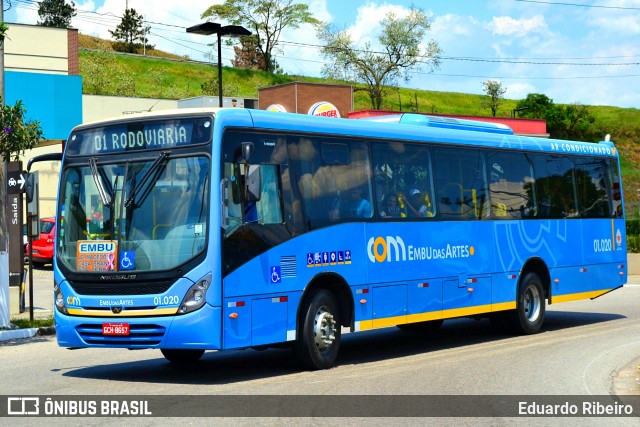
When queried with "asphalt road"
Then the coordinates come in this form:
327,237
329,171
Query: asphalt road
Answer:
585,348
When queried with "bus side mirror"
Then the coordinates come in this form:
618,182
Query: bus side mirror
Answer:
247,151
30,187
253,181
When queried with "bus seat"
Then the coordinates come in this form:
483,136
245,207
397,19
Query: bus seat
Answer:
499,209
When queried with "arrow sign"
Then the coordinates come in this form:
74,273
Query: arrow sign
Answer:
15,182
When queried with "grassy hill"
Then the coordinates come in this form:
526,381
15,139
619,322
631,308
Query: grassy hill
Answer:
163,75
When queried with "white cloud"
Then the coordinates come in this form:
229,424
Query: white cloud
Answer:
508,26
615,21
454,26
518,90
303,58
368,21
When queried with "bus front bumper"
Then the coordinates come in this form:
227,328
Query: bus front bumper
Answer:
198,330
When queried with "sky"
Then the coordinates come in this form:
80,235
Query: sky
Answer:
573,51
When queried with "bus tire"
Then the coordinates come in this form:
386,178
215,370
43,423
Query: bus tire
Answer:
318,338
182,356
429,327
528,316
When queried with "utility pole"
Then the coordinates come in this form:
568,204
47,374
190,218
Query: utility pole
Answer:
4,238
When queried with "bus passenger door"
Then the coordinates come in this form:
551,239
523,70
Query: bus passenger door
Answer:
466,295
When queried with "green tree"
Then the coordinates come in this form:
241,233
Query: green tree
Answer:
130,34
265,19
573,121
539,106
578,122
56,13
402,50
16,133
494,95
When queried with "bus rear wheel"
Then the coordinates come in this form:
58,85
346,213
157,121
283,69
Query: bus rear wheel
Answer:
528,316
182,356
318,331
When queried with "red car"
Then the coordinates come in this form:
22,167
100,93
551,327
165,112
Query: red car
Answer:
43,247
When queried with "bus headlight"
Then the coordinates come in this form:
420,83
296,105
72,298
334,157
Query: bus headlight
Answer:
196,295
59,299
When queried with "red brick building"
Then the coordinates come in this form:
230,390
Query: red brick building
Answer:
320,98
299,97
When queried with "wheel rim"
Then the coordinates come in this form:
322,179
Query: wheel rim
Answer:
324,329
532,304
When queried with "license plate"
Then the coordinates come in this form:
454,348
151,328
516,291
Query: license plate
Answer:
115,329
35,251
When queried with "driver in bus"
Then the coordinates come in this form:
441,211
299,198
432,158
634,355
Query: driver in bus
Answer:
76,229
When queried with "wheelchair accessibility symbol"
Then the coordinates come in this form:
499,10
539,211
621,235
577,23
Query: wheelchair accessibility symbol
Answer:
127,260
275,274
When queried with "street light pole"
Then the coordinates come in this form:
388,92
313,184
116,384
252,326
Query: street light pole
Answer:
208,28
219,69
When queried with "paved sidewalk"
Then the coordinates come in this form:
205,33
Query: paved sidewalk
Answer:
42,295
42,306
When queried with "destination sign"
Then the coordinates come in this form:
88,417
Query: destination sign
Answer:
140,136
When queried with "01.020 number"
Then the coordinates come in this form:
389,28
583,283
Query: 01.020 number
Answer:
602,245
166,300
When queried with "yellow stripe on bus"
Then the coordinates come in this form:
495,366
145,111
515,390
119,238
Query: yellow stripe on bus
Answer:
435,315
577,296
123,313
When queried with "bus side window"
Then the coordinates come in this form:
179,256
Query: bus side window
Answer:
460,182
327,170
555,187
592,188
511,189
403,171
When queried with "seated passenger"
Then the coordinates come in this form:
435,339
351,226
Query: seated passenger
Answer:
415,204
358,206
390,207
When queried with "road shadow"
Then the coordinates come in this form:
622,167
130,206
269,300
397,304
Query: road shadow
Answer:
237,366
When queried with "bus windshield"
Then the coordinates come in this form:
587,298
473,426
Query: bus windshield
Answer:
123,216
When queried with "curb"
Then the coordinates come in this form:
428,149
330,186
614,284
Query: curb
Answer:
16,334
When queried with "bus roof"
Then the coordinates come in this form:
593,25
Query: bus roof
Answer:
414,127
442,122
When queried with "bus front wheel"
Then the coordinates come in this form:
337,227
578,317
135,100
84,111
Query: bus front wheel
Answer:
319,335
182,356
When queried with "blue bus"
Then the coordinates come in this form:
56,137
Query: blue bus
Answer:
195,229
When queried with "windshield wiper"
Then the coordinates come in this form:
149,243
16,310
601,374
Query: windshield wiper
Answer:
154,172
98,178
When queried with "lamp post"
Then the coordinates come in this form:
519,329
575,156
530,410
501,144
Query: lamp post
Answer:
208,28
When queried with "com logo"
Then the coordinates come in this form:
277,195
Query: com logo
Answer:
382,249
